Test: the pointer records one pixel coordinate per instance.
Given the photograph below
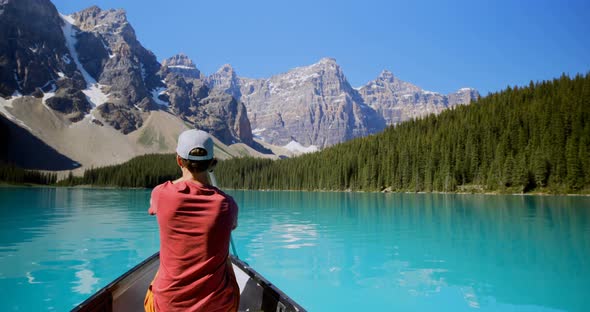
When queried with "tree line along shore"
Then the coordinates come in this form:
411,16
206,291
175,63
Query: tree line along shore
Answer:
527,139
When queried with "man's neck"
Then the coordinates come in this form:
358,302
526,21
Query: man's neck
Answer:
201,177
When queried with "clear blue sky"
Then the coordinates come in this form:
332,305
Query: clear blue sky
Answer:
437,45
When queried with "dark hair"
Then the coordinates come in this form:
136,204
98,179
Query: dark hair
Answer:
197,166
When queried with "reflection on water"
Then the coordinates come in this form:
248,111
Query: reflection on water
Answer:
420,251
86,282
295,236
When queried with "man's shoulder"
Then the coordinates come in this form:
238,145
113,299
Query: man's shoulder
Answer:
160,187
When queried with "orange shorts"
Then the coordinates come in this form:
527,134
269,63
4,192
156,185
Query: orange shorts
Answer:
148,302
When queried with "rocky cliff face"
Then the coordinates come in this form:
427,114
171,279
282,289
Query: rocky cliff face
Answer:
398,101
463,96
213,111
313,105
227,80
90,64
32,46
34,57
127,67
222,115
76,62
182,65
109,51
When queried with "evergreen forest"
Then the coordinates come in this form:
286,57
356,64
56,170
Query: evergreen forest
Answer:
11,173
523,139
142,171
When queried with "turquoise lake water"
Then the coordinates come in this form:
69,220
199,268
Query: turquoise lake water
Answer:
328,251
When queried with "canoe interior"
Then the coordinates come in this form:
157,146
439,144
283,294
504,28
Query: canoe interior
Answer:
127,292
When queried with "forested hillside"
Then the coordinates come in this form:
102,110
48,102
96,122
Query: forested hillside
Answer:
534,138
13,174
142,171
518,140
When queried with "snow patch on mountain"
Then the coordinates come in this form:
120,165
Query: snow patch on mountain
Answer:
95,95
157,92
296,147
181,66
257,133
93,89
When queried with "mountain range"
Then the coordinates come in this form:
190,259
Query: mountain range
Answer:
316,105
84,87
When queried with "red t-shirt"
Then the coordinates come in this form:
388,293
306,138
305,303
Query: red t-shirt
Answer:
195,224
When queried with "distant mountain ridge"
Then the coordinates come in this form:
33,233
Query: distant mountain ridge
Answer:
315,104
312,105
89,71
398,101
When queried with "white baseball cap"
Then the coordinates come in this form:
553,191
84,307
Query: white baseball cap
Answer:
191,139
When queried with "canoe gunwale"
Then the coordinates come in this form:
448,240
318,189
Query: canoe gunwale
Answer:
104,298
270,289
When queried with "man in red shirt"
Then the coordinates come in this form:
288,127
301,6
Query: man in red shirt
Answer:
195,220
